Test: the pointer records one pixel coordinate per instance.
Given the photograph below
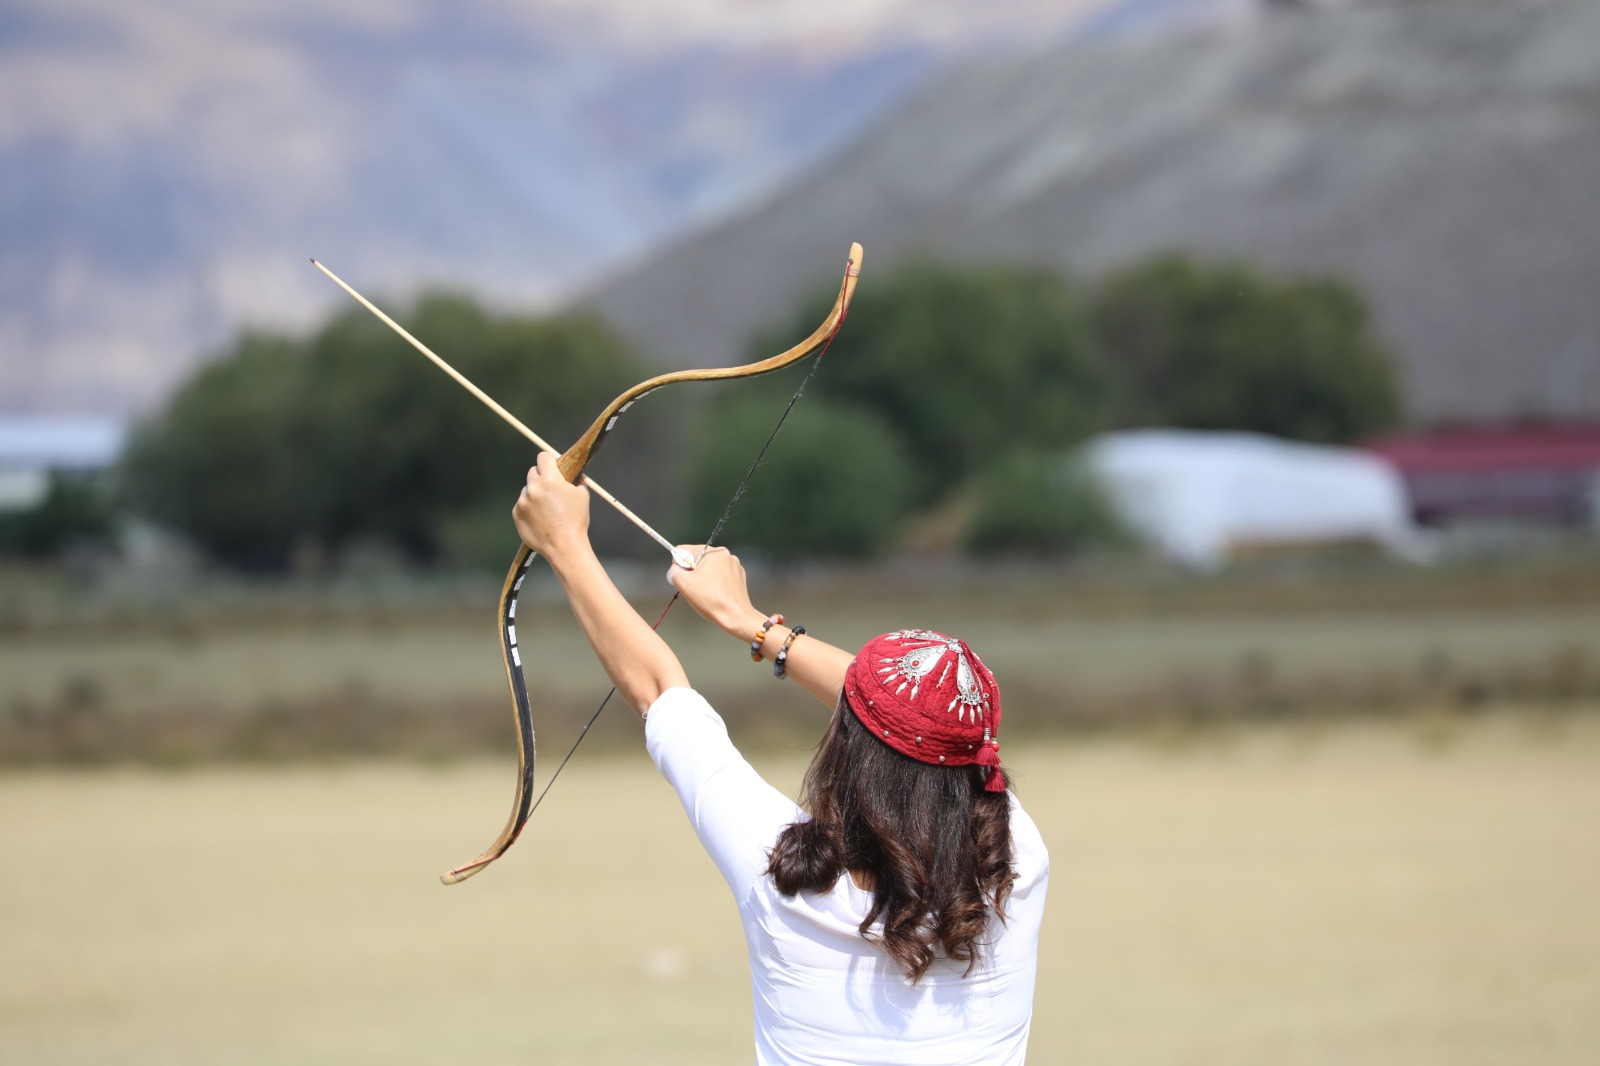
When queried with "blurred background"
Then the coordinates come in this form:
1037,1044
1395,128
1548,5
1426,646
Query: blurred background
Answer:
1226,371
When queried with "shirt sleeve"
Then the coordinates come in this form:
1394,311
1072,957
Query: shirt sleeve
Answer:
734,812
1029,856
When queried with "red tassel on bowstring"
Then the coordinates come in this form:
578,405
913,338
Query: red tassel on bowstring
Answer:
989,755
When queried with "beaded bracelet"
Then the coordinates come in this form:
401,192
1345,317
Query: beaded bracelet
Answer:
780,664
761,636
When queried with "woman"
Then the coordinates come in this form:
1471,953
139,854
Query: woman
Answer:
894,915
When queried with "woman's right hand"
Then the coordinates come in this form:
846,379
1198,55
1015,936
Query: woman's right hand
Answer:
717,590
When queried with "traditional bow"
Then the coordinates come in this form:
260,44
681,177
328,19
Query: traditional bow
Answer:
572,465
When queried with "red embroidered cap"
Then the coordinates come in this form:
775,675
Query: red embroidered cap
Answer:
928,696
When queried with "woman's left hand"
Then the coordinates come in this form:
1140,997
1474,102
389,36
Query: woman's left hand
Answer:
717,589
552,515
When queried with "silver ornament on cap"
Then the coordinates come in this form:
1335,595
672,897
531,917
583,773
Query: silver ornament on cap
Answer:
929,650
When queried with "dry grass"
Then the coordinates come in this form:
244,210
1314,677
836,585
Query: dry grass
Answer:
1368,894
430,682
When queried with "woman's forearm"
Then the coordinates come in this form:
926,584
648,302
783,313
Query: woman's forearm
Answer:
718,590
636,659
818,666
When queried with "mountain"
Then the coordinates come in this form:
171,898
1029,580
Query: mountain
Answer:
1444,155
166,169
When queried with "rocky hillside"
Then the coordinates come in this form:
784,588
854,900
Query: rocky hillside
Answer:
1442,154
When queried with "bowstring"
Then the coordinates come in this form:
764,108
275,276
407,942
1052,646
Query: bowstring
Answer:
716,531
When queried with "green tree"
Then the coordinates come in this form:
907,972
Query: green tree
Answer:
834,483
349,435
964,363
1039,503
1222,346
75,512
221,463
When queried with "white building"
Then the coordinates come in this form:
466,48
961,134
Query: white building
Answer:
31,449
1200,497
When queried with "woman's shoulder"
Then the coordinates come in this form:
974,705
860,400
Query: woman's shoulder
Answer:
734,811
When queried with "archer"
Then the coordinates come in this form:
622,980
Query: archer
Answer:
896,910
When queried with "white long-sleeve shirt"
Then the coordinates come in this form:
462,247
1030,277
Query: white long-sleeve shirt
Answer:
823,994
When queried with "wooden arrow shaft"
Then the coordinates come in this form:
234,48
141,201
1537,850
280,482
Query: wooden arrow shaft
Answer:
682,558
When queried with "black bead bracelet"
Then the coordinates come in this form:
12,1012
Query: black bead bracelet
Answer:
780,664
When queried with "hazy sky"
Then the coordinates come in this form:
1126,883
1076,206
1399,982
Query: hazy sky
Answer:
100,68
165,167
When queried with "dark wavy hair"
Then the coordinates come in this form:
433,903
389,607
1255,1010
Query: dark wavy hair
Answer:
933,845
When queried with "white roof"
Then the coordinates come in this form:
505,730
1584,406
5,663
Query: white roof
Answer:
1197,495
42,443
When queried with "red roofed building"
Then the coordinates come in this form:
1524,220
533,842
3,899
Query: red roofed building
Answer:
1550,473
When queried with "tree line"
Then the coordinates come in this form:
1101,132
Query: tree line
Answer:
954,395
945,412
286,450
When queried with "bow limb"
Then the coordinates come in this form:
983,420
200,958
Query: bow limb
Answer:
522,710
572,464
577,457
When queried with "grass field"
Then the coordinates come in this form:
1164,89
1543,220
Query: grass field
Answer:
1355,893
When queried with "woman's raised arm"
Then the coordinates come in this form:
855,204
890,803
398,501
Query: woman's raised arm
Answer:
552,517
